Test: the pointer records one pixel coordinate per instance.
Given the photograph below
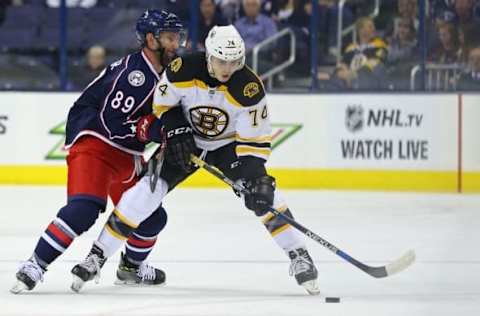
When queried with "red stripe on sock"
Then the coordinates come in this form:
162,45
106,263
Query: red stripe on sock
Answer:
60,234
139,243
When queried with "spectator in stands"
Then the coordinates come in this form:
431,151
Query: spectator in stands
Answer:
230,9
95,62
402,47
470,79
466,11
439,6
402,54
3,7
300,23
285,11
180,7
328,19
468,38
278,10
72,3
363,63
254,27
406,9
209,17
448,50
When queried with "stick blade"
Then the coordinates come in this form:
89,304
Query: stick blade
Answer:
401,263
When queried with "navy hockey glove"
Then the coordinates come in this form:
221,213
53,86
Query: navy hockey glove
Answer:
261,194
179,137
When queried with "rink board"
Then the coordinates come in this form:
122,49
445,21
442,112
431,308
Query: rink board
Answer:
421,142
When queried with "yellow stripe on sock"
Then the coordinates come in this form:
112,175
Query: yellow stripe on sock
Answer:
280,229
114,233
124,219
269,215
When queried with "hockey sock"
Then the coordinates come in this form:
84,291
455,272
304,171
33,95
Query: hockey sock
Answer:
117,229
72,220
140,243
139,247
283,233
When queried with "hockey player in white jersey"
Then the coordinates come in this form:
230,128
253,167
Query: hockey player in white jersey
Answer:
222,116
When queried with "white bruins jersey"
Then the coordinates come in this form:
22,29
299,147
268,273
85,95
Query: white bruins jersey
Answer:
219,113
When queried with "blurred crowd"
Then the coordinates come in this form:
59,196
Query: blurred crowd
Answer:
378,55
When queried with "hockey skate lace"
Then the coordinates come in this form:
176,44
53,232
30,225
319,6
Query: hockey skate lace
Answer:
92,264
299,265
146,272
33,270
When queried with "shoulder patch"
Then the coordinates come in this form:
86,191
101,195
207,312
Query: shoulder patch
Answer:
246,88
136,78
185,68
251,89
176,64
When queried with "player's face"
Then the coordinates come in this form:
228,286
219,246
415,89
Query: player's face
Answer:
170,42
222,69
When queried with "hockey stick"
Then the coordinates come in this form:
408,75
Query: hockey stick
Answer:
378,272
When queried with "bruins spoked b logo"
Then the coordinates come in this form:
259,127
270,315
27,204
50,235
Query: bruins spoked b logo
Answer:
208,121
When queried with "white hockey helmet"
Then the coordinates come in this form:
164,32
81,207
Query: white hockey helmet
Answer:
225,43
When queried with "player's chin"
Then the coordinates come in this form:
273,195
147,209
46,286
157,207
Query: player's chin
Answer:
168,57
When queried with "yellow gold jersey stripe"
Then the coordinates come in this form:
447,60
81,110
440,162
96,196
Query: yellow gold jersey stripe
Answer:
114,233
260,139
124,219
203,85
159,109
280,229
245,150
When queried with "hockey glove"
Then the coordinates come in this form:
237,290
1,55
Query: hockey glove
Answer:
149,129
261,194
179,137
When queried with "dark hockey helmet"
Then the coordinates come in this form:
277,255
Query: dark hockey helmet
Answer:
157,21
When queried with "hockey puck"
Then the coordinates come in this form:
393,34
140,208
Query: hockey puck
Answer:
332,299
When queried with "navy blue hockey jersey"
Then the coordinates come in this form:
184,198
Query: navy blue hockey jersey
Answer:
112,103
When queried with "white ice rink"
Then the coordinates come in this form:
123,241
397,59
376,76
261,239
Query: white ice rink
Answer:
220,260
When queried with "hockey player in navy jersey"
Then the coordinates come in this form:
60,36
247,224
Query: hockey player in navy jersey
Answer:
105,155
223,117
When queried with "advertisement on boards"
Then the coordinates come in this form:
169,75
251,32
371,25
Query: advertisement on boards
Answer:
404,133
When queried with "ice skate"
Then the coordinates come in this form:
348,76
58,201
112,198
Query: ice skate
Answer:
28,275
129,273
304,270
89,269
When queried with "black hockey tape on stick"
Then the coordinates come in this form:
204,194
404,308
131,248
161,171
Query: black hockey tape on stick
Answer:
378,272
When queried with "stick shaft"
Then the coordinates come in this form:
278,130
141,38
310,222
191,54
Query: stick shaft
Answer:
378,272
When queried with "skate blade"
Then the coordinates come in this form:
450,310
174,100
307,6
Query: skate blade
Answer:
134,284
77,284
18,287
311,287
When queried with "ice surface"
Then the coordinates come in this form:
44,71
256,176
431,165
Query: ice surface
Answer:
220,260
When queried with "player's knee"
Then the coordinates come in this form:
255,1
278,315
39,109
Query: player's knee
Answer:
80,214
154,224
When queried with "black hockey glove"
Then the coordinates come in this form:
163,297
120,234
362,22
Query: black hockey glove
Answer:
261,194
179,137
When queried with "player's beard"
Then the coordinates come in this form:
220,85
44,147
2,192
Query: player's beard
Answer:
164,56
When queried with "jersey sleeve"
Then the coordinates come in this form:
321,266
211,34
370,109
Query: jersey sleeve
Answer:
253,131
